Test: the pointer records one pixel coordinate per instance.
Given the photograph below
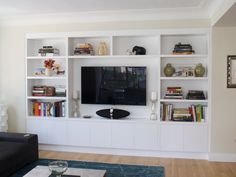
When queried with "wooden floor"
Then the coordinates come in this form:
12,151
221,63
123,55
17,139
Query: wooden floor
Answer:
173,167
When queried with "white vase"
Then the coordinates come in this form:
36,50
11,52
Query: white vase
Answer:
48,72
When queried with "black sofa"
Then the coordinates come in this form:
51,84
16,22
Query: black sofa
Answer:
16,150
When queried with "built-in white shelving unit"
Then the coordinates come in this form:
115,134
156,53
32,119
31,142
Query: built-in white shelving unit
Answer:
138,132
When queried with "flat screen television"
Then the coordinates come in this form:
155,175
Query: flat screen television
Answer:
116,85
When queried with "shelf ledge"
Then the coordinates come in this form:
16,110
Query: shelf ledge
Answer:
46,77
45,98
45,57
184,56
184,78
112,56
183,101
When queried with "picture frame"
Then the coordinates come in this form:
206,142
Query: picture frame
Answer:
231,71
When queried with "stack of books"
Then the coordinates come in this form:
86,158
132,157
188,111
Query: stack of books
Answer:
174,93
84,49
182,114
48,109
195,95
48,51
183,49
43,91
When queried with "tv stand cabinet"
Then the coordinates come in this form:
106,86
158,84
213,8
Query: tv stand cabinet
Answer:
137,134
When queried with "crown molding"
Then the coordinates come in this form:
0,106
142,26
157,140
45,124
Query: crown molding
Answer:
218,9
105,16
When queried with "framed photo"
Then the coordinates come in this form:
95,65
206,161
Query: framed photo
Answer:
231,71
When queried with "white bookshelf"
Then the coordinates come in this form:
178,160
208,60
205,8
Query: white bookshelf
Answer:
144,134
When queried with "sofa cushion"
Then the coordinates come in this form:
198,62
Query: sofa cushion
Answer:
12,155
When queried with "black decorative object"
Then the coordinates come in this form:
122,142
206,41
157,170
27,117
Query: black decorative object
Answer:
195,95
113,113
231,71
138,50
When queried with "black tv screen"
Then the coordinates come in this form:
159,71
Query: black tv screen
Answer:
123,85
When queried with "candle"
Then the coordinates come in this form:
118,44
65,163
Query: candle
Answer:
75,94
153,96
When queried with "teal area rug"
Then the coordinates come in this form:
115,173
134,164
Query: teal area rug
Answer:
113,170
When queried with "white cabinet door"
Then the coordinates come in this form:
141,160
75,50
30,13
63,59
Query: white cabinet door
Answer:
195,138
39,127
146,136
57,129
100,134
122,135
78,133
171,137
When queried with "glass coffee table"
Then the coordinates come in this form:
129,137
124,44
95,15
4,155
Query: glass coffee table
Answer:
43,171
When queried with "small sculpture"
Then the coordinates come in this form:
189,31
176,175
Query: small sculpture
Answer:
139,50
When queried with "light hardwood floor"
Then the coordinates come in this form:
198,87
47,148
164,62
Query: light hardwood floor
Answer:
173,167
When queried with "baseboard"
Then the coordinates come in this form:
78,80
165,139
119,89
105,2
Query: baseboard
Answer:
222,157
125,152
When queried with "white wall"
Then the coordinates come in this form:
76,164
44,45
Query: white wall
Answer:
12,72
223,129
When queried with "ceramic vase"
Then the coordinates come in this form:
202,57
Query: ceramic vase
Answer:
199,70
102,49
169,70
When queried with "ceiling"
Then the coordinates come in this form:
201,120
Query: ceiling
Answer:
29,12
23,7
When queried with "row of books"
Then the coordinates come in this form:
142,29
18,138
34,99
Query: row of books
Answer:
42,90
48,109
194,113
177,93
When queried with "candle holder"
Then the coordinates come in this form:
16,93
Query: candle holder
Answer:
153,115
75,98
153,100
76,112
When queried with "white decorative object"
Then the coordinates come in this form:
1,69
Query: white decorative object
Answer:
153,99
154,96
3,118
75,97
48,72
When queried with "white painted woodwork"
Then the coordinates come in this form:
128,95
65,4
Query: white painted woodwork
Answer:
147,136
137,132
78,133
171,137
39,127
122,135
195,138
100,134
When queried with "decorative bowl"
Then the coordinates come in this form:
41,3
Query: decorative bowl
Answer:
57,168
